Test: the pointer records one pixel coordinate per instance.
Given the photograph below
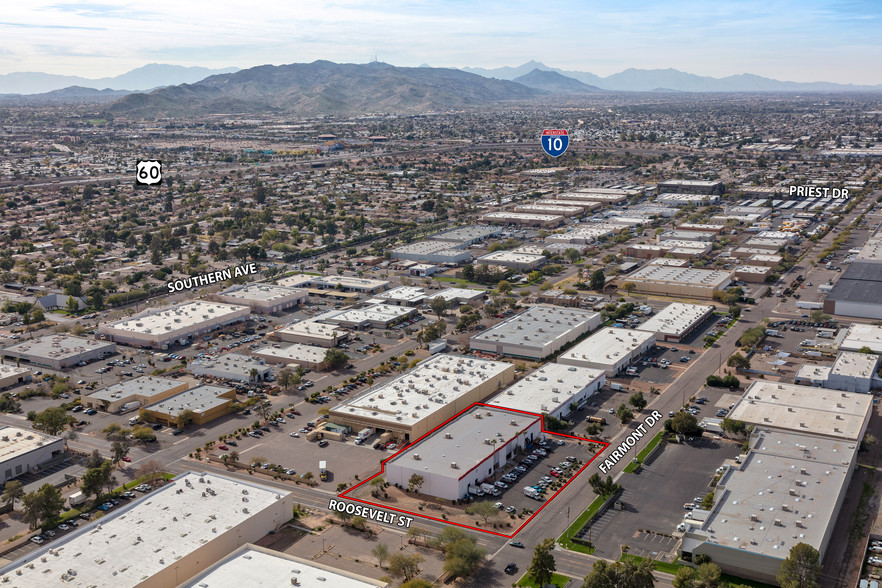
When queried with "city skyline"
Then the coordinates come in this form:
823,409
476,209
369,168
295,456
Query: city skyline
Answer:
819,40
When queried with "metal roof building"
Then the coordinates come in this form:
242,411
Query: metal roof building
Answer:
537,332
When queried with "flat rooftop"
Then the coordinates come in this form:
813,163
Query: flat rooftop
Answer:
855,365
752,269
59,346
860,335
146,386
199,399
509,257
403,293
427,388
309,328
547,388
259,567
374,313
784,493
464,441
173,318
331,281
233,362
426,247
11,370
137,540
679,197
680,275
804,409
294,351
676,318
263,293
609,345
15,442
466,233
458,293
523,216
538,326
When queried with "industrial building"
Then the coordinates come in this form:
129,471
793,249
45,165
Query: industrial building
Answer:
253,566
59,351
790,486
180,323
381,316
160,540
691,186
144,390
455,296
343,283
682,199
23,450
766,259
401,296
433,252
537,332
554,389
678,281
545,221
469,234
854,372
593,196
263,298
677,321
419,400
859,336
206,402
517,261
455,459
11,375
584,205
858,292
752,274
584,234
310,332
308,356
560,209
231,366
611,349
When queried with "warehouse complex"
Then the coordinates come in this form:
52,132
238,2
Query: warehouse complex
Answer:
311,332
858,336
380,316
677,321
678,281
554,389
465,451
206,402
343,283
23,450
180,323
611,349
161,540
144,390
537,332
252,565
308,356
433,252
59,351
263,298
790,487
231,366
417,401
11,375
514,260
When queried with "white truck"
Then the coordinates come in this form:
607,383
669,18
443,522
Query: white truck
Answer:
76,499
323,470
488,488
364,434
531,492
773,333
616,386
130,406
805,304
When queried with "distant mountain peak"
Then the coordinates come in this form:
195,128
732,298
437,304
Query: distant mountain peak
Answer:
554,82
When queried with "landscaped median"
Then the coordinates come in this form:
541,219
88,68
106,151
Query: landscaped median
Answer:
644,453
567,540
673,567
556,580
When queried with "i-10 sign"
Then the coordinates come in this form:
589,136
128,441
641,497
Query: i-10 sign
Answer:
555,141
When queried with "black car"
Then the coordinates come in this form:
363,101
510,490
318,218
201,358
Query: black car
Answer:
267,429
156,426
233,443
511,568
517,544
379,445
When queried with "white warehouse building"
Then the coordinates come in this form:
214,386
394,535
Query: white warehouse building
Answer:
22,450
677,321
463,453
231,366
263,298
553,389
610,349
537,332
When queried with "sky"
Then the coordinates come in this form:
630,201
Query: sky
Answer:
794,40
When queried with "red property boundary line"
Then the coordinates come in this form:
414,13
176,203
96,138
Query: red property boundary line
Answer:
425,516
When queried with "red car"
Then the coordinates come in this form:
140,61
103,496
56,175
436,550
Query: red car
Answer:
222,447
127,458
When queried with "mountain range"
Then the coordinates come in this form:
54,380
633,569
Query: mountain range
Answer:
650,80
323,87
555,83
153,75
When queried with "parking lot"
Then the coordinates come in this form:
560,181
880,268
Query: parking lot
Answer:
654,498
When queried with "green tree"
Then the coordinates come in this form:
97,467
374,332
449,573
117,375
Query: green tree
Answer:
684,423
42,506
14,491
597,280
416,482
72,306
285,377
624,413
462,558
94,460
439,306
542,565
381,552
685,578
185,417
801,568
738,361
629,287
96,479
52,421
407,566
628,573
118,450
637,401
483,509
865,349
708,576
734,427
9,404
417,583
335,358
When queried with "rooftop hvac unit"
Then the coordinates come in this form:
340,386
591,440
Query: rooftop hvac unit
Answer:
454,465
778,523
448,436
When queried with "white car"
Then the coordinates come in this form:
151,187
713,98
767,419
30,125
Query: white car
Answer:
502,485
295,434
